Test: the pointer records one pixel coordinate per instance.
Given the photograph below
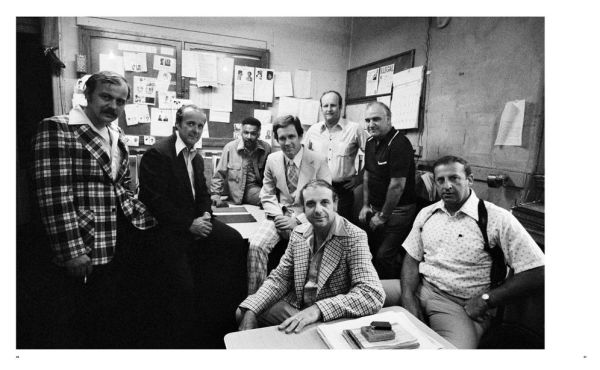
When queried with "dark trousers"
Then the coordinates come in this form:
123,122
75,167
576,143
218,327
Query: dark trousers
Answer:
85,315
192,288
345,201
386,242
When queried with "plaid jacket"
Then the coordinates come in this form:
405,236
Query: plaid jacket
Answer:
348,285
76,195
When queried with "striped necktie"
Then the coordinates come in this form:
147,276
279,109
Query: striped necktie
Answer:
292,176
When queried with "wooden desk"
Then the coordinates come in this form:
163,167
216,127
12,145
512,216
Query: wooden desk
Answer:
271,338
247,228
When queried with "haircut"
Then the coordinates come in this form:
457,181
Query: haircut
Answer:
285,121
318,183
388,113
179,113
105,77
340,100
251,121
449,159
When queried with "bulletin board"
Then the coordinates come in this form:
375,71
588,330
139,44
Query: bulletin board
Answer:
93,42
356,77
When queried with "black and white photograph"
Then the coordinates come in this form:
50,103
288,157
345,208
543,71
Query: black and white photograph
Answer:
405,210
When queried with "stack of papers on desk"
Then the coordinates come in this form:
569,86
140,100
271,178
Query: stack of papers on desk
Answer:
232,215
403,339
333,334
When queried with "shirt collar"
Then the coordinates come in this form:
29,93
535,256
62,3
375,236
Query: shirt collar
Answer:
342,123
337,229
77,116
470,207
180,145
297,158
259,145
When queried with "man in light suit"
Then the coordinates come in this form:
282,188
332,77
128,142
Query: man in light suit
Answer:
90,216
286,172
326,271
199,262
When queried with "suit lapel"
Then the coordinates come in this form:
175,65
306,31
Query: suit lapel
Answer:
181,173
92,142
124,157
281,175
306,171
301,262
332,254
198,165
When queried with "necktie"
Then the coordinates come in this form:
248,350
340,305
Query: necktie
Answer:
292,176
190,169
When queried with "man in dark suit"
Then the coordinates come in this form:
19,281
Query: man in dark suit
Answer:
90,217
199,262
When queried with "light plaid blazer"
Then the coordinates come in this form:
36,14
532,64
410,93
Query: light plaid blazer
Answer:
348,285
76,194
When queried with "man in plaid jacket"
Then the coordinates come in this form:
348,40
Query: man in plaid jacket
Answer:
326,271
88,212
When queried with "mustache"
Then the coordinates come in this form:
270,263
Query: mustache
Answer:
109,111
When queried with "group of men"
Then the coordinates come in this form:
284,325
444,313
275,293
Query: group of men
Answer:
107,243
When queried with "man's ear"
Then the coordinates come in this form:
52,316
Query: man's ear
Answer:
471,179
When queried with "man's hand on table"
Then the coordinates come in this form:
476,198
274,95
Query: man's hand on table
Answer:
303,318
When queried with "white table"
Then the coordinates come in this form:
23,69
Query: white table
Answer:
246,228
272,338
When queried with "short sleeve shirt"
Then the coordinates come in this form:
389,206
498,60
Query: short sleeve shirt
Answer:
391,157
450,248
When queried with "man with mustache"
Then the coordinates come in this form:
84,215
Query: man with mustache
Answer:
286,172
448,275
199,264
326,271
90,215
388,190
241,167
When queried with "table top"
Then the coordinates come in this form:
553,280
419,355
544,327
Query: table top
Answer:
271,338
247,228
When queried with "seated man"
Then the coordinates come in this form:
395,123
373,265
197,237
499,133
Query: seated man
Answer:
326,272
241,168
447,275
286,172
198,261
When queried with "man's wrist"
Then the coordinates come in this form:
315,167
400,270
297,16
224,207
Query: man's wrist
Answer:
382,216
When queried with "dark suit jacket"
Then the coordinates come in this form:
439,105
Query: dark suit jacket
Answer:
165,188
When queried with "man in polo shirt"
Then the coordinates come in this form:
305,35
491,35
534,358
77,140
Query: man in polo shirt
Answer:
388,190
446,279
326,271
340,140
241,168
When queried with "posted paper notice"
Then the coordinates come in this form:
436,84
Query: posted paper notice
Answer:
510,130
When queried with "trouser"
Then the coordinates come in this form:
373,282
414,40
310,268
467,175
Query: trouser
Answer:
345,200
90,314
195,288
444,313
386,242
261,243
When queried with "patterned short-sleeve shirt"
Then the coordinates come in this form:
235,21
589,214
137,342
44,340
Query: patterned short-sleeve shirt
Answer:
450,248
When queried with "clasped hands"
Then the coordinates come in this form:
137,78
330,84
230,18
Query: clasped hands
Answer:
376,221
201,226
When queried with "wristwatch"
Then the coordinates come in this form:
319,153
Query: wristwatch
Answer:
486,299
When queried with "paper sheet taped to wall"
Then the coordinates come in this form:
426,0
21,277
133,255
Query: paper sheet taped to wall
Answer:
510,130
406,98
